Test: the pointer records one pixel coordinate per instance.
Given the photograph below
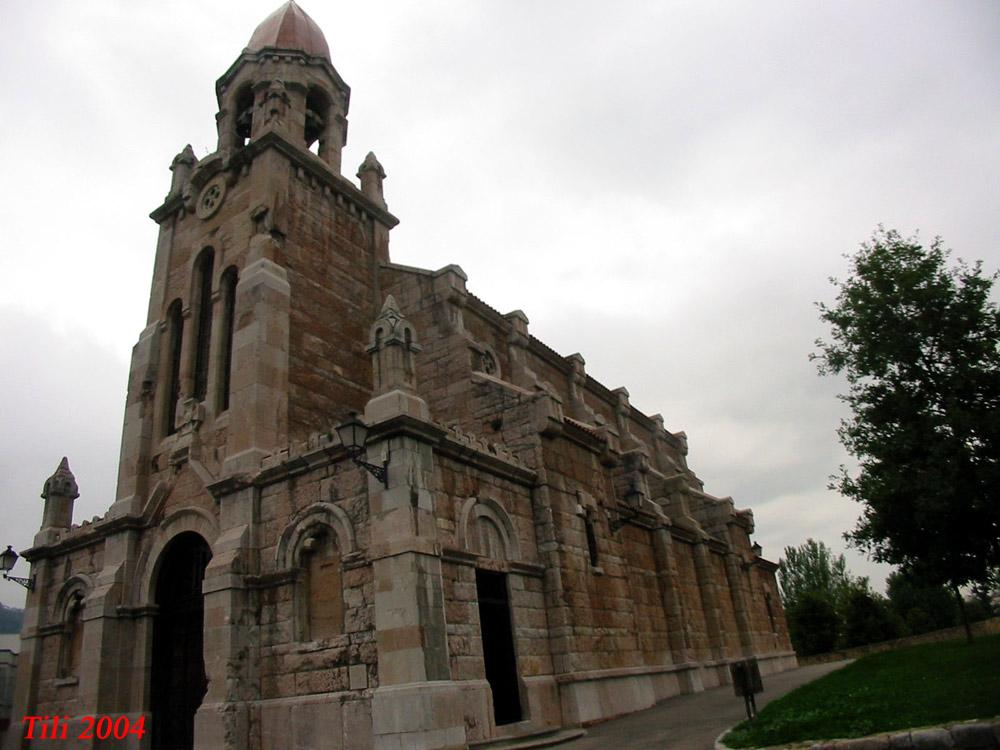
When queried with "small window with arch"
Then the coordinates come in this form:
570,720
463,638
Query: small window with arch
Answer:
317,107
588,527
230,277
175,333
243,120
72,636
203,331
320,599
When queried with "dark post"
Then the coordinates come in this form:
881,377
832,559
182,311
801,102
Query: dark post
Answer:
747,682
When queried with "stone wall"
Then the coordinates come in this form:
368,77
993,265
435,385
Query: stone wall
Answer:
981,628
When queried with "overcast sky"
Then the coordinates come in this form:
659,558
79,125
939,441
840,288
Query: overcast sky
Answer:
664,187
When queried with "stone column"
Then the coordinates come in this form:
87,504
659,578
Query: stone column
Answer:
417,705
708,588
258,420
517,351
334,137
29,660
223,721
734,575
666,573
137,433
104,674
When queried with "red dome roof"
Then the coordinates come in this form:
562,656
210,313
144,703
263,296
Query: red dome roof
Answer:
290,28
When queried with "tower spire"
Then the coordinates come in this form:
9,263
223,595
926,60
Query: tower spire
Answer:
290,27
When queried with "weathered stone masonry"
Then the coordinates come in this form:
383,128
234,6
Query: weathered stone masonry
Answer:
539,558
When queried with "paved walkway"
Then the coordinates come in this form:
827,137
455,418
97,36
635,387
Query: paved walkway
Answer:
690,722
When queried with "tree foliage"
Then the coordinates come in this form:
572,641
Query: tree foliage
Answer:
869,619
919,343
923,605
812,567
816,588
10,619
813,624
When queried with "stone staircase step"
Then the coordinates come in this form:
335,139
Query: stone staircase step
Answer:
544,738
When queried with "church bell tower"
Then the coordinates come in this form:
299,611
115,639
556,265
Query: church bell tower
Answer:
265,277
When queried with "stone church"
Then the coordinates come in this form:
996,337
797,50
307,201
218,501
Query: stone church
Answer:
511,551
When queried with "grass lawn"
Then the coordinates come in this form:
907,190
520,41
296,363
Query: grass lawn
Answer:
912,687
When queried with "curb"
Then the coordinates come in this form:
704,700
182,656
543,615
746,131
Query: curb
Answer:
968,735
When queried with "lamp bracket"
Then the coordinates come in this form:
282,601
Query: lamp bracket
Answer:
381,473
28,583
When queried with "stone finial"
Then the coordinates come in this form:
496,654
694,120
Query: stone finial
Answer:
371,175
59,492
623,414
61,484
392,344
577,387
185,158
181,166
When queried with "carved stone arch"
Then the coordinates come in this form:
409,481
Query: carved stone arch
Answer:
476,508
197,520
194,266
318,514
80,583
314,546
68,613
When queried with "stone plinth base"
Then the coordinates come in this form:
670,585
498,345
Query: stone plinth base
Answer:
419,716
588,697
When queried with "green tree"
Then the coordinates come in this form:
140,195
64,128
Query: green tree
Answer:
10,619
923,605
868,619
813,624
919,343
812,567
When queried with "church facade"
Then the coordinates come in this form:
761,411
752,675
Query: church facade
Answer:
512,550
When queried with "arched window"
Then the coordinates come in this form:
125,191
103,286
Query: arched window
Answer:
320,596
175,331
72,637
229,279
317,105
203,338
488,540
244,115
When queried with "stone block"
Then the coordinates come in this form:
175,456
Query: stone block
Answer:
876,742
931,739
358,676
317,724
973,736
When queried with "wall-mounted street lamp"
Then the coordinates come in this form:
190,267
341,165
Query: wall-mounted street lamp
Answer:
633,497
757,549
7,559
353,436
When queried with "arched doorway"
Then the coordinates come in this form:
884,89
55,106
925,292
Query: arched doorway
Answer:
178,680
499,658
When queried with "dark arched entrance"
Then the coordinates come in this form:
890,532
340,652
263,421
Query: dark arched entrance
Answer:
499,658
178,675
